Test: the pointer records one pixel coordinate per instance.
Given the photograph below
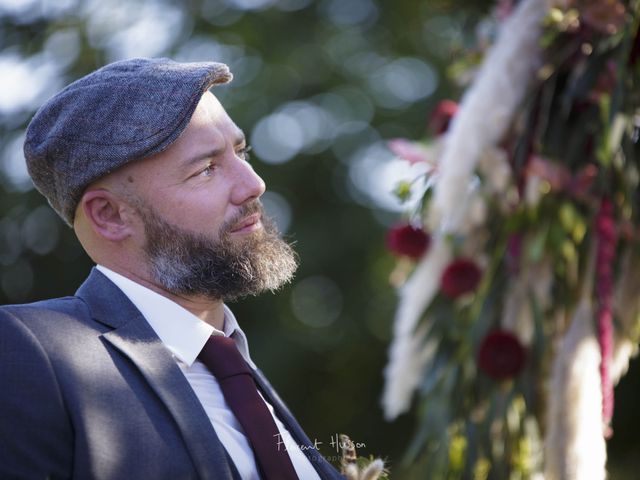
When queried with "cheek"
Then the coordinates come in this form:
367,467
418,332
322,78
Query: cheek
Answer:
200,212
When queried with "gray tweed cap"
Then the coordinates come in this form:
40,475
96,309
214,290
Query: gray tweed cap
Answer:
122,112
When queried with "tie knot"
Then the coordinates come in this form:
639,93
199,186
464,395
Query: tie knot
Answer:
221,356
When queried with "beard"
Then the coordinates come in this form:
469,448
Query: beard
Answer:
189,264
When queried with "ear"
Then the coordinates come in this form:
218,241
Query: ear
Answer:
107,214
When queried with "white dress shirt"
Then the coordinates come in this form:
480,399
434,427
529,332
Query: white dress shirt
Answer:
184,335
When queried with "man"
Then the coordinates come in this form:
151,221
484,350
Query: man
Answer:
145,373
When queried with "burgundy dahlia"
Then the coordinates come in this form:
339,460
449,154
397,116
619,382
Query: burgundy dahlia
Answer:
501,355
461,276
408,240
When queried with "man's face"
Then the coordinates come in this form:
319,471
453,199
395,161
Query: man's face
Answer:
205,233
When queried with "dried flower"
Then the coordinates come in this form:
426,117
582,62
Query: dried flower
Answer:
441,117
501,355
574,446
487,109
405,239
410,353
460,277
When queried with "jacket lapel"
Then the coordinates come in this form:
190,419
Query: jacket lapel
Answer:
325,470
135,339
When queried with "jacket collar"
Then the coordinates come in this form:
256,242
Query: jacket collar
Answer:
107,303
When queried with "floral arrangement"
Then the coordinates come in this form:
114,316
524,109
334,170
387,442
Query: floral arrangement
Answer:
518,274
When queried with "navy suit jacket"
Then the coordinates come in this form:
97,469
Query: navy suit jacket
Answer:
88,391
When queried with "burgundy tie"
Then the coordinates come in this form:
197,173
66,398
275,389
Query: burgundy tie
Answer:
224,361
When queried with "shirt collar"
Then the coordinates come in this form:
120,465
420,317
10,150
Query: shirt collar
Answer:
180,331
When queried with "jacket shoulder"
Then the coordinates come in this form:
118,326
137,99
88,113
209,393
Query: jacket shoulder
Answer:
45,313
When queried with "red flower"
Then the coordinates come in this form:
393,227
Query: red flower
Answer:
461,276
441,117
501,355
408,240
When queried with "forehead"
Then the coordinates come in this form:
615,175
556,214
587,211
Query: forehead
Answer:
209,119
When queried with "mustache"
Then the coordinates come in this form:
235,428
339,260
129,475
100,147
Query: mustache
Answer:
249,208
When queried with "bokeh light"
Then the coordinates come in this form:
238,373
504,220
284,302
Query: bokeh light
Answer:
316,301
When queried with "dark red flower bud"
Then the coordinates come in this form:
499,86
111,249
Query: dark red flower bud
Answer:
408,240
441,117
501,355
461,276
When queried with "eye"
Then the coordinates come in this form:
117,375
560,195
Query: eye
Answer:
207,171
244,153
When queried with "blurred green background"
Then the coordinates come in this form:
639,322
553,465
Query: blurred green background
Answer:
319,87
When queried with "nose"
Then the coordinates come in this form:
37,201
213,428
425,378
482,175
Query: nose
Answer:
249,184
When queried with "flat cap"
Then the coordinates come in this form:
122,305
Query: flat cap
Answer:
125,111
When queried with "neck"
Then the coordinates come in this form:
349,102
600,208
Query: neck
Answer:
207,310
